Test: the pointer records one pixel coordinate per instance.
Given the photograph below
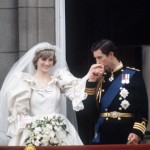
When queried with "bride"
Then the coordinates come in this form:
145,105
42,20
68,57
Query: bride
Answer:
31,100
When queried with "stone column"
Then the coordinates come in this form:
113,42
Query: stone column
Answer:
8,35
36,23
24,23
146,73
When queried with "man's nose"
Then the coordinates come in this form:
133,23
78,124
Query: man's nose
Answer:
98,61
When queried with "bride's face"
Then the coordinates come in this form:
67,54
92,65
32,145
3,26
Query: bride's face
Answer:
44,64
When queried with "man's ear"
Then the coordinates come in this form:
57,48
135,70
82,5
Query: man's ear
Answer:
111,53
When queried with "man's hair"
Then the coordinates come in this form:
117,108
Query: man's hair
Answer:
105,46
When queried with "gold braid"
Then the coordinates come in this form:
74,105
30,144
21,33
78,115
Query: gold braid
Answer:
99,91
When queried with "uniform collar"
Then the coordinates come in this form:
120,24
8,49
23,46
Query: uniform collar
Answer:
120,66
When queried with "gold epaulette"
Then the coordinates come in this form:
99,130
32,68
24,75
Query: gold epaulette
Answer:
140,126
132,68
90,91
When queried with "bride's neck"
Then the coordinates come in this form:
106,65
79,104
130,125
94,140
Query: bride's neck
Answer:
41,75
42,78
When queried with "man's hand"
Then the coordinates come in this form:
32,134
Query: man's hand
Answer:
96,71
133,139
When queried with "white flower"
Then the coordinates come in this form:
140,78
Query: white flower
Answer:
37,130
55,128
124,92
51,134
45,140
50,130
39,136
49,127
53,122
36,142
54,141
125,104
61,134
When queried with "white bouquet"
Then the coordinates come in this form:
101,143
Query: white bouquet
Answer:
50,130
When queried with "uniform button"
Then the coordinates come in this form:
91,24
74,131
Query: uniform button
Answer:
119,118
120,108
106,118
120,98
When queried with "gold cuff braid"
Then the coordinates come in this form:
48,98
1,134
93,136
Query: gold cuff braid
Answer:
90,91
140,126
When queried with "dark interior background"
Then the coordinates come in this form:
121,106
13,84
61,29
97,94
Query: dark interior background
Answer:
126,22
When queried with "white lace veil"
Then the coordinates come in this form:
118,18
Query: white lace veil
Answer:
25,64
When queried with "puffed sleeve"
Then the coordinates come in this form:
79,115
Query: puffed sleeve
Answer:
72,87
18,104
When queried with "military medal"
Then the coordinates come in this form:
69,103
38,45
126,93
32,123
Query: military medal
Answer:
125,79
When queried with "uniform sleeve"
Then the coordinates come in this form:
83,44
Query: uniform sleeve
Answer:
141,110
73,88
91,103
18,104
91,88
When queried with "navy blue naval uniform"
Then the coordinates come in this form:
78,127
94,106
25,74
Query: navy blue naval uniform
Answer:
127,111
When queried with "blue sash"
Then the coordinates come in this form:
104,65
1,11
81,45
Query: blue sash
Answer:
107,99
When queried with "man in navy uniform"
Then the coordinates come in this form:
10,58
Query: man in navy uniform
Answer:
120,95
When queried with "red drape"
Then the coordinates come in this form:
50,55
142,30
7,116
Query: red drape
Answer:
85,147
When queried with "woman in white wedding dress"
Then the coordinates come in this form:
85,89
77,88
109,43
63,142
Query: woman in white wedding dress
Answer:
33,89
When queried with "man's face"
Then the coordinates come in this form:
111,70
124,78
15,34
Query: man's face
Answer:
101,58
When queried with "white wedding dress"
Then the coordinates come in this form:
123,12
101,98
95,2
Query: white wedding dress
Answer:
28,99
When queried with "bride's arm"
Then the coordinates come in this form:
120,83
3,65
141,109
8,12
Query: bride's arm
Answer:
18,105
73,88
